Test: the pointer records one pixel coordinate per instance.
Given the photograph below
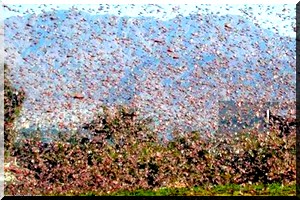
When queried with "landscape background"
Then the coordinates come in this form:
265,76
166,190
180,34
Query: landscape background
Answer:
174,70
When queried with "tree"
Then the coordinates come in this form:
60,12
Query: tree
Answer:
13,101
121,126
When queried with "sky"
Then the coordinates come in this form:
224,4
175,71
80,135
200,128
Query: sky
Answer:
281,16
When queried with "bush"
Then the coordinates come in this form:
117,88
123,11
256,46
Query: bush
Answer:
124,154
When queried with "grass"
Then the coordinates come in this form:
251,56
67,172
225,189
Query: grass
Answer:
274,189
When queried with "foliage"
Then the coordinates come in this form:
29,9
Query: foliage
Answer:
137,160
13,101
218,190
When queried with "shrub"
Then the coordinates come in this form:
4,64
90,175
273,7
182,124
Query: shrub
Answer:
124,154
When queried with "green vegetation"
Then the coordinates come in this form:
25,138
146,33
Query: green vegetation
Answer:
219,190
13,101
125,157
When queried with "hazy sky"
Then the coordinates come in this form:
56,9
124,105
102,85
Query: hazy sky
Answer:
281,16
